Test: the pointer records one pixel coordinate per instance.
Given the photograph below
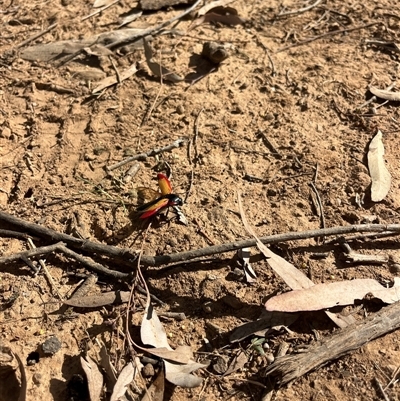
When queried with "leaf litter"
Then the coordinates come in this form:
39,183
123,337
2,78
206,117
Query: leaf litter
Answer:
378,171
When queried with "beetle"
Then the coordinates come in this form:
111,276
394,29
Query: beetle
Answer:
160,201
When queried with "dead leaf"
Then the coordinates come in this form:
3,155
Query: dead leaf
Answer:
156,68
110,372
380,175
327,295
50,51
94,377
178,363
130,18
125,378
179,374
156,390
385,94
293,277
152,331
95,301
269,320
109,81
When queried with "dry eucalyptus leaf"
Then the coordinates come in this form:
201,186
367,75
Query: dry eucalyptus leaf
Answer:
385,94
380,175
269,320
157,69
125,378
327,295
109,81
50,51
108,368
130,18
152,331
180,374
94,378
293,277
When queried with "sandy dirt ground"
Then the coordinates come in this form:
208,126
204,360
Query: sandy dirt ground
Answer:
287,102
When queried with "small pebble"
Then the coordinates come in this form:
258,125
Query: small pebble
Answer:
37,378
51,346
270,358
148,370
207,307
216,52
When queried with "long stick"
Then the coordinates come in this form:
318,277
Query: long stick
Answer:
123,253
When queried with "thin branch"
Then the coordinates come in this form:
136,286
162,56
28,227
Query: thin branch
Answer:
73,242
300,10
332,33
38,35
60,247
100,10
127,254
143,156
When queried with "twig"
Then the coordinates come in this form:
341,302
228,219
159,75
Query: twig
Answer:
291,367
332,33
320,206
299,11
72,242
99,10
195,136
394,379
46,272
154,30
143,156
38,35
127,254
119,80
13,234
382,390
60,247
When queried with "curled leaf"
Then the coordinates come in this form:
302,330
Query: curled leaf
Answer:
385,94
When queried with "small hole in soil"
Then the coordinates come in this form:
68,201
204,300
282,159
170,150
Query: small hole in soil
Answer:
33,358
